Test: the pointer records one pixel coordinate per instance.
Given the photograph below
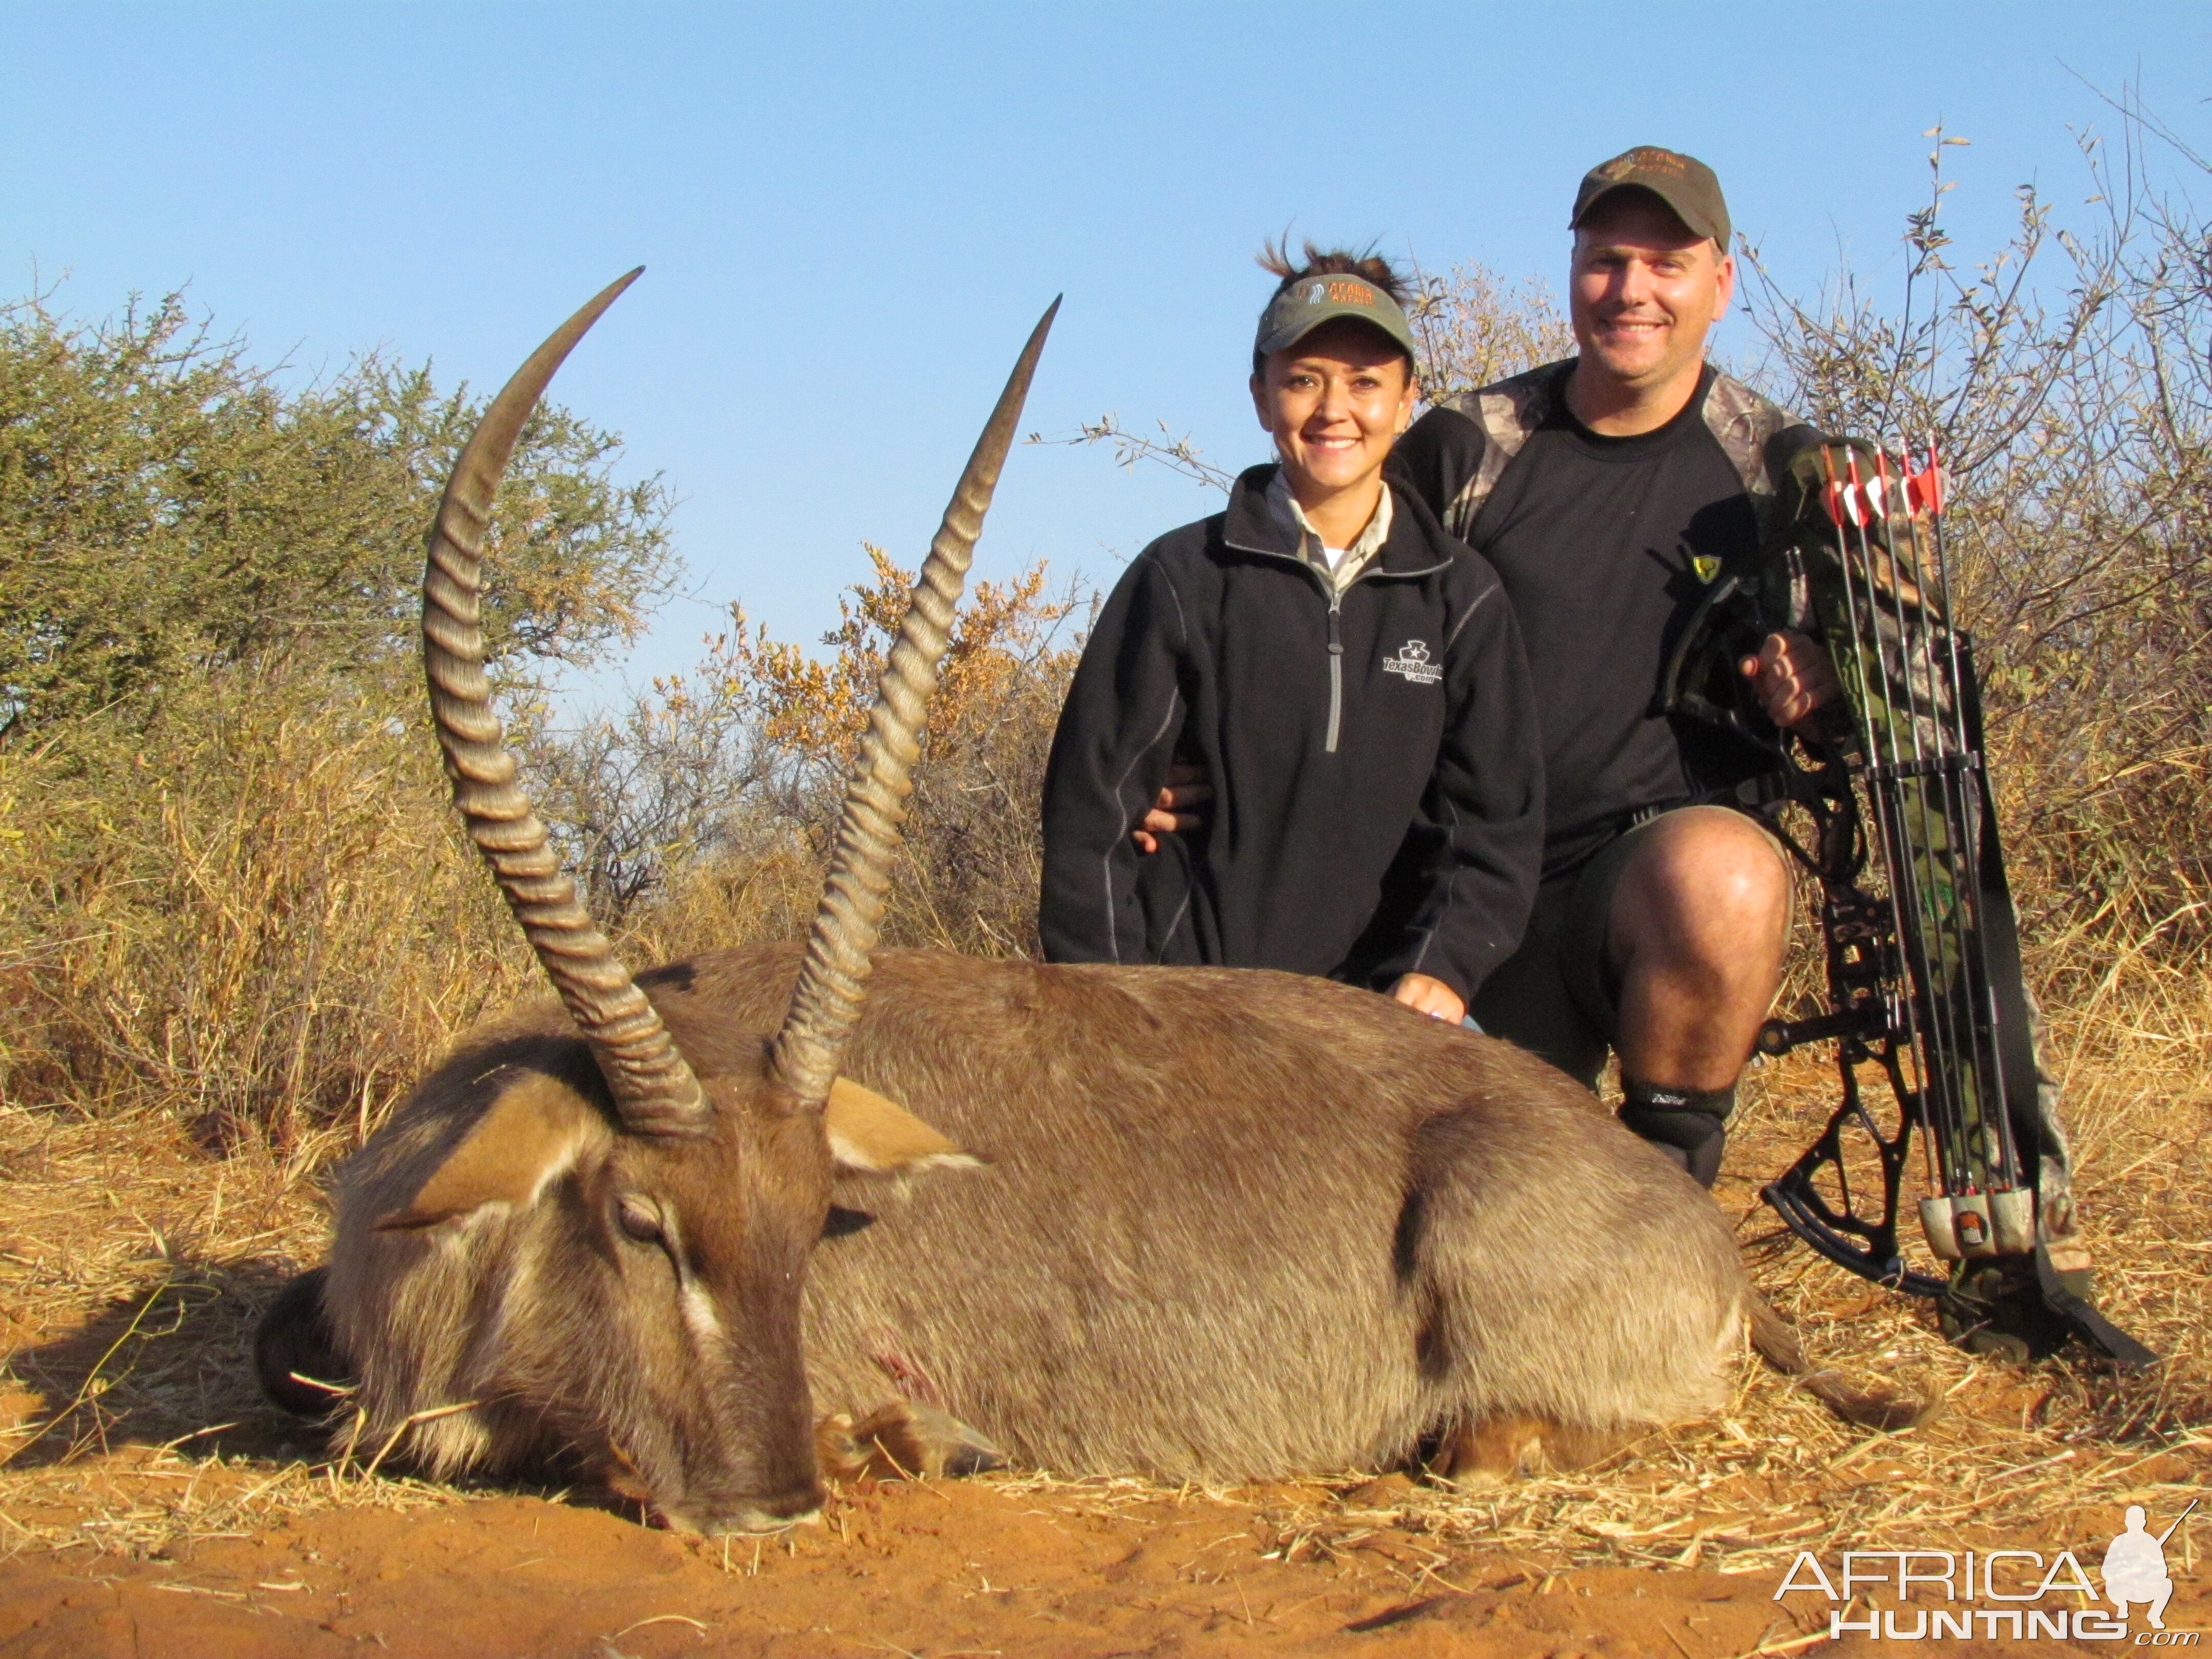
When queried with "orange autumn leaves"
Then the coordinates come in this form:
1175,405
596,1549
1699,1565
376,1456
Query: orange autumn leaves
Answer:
1008,644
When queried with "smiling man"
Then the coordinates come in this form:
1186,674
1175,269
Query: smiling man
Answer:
1348,678
1608,491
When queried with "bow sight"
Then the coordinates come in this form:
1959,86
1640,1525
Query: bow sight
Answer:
1922,946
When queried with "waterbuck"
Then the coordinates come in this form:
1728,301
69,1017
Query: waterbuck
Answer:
1211,1223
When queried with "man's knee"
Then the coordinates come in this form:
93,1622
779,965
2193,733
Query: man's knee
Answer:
1705,879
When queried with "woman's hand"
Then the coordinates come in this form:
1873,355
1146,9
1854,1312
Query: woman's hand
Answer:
1174,809
1431,997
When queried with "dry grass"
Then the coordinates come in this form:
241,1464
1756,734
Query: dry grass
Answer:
133,1261
133,1267
258,917
257,912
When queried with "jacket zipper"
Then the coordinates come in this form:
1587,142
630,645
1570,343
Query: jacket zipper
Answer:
1335,619
1335,666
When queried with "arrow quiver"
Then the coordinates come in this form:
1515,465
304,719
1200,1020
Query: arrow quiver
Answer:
1922,946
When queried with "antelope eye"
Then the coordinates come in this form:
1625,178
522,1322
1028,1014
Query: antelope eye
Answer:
639,1221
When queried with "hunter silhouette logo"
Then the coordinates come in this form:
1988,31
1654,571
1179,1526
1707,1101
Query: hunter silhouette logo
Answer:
1412,661
2134,1567
2028,1594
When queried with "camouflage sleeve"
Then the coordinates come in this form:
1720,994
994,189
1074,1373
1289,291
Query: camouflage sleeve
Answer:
1455,454
1436,459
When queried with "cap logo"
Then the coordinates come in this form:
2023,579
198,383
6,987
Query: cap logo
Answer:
1652,160
1318,297
1338,290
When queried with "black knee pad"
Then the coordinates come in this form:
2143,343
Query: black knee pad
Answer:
1689,1124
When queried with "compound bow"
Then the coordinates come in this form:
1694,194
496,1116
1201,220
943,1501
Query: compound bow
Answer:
1922,946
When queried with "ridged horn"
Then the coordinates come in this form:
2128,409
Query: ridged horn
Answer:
833,980
652,1086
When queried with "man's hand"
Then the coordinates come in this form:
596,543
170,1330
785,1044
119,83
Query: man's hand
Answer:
1174,809
1792,676
1429,996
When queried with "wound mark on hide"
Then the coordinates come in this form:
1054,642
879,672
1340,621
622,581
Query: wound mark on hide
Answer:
907,1377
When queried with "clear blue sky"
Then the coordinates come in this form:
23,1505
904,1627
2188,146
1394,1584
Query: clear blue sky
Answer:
851,215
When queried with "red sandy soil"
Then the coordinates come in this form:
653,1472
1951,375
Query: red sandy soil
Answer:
931,1570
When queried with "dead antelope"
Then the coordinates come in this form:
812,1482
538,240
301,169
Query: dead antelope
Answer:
1216,1223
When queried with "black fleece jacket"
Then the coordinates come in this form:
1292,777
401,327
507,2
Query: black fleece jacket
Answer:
1375,758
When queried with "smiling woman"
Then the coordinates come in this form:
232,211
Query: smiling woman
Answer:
1333,383
1323,693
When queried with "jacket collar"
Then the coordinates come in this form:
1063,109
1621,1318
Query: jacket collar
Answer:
1352,559
1250,528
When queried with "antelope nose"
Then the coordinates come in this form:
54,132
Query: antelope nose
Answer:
797,1508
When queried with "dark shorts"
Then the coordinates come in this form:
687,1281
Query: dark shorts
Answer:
1556,996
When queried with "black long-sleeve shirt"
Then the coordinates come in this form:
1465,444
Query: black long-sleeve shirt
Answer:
1374,754
1606,545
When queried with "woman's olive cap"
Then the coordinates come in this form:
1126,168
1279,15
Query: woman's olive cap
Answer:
1310,301
1682,182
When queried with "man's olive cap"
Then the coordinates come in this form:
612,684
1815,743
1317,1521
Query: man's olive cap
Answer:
1682,182
1310,301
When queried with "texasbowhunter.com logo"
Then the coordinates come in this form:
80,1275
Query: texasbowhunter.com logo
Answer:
1412,661
2134,1572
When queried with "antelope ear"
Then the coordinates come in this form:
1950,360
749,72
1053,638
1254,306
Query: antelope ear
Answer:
873,1136
529,1135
